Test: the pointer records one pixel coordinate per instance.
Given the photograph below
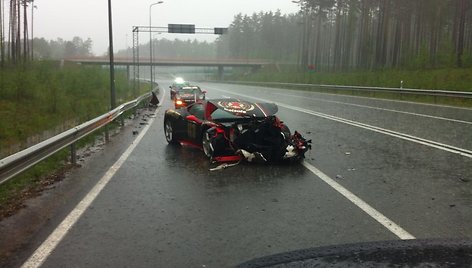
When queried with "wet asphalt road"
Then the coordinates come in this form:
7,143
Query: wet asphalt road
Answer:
163,208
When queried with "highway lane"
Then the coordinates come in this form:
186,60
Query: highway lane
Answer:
442,124
425,188
164,208
414,107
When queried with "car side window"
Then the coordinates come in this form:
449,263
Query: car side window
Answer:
197,110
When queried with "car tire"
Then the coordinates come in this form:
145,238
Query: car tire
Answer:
206,145
169,132
286,131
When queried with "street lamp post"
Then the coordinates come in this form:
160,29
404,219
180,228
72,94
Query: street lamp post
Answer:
112,60
150,39
32,29
301,53
155,49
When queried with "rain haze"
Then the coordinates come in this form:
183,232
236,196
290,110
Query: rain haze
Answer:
89,18
282,133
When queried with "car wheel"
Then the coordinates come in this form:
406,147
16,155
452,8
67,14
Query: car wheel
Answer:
169,132
286,132
206,144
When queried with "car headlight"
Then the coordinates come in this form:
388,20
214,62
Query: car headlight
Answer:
179,102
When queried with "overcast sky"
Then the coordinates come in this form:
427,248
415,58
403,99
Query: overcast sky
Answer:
88,18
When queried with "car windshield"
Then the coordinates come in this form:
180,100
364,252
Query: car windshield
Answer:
189,90
204,133
181,84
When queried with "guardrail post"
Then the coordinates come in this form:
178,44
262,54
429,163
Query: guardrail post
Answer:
73,154
107,134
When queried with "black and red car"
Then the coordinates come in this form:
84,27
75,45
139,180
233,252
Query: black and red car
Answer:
188,95
232,129
176,86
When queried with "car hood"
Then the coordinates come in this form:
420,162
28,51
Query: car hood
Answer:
398,253
241,108
187,96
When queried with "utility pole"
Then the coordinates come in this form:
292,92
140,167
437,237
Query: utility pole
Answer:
2,50
150,40
32,28
25,31
112,63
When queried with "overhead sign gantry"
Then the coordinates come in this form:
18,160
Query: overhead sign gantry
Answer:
171,28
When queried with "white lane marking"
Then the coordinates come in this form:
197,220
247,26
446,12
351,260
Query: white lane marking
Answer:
45,249
378,108
225,97
372,212
369,98
434,144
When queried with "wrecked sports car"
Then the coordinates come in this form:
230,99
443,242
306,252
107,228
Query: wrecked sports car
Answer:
229,130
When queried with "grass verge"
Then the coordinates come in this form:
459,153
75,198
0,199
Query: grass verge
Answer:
438,79
40,97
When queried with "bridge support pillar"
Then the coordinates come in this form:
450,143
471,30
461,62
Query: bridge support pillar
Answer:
220,73
255,68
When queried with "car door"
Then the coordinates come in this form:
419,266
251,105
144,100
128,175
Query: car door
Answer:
194,123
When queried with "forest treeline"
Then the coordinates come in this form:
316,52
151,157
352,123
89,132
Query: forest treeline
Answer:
326,35
341,35
338,35
17,43
14,33
59,48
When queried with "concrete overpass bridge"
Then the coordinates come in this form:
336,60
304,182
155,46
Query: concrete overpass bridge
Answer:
218,63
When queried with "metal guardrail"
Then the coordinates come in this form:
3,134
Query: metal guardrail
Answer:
18,162
428,92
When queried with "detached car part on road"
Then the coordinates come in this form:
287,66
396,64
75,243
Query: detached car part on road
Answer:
229,130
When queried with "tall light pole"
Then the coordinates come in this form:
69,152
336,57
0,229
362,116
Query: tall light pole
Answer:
32,29
303,54
150,39
155,47
112,61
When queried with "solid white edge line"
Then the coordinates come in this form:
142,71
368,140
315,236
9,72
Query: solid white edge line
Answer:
45,249
369,98
372,212
429,143
379,108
